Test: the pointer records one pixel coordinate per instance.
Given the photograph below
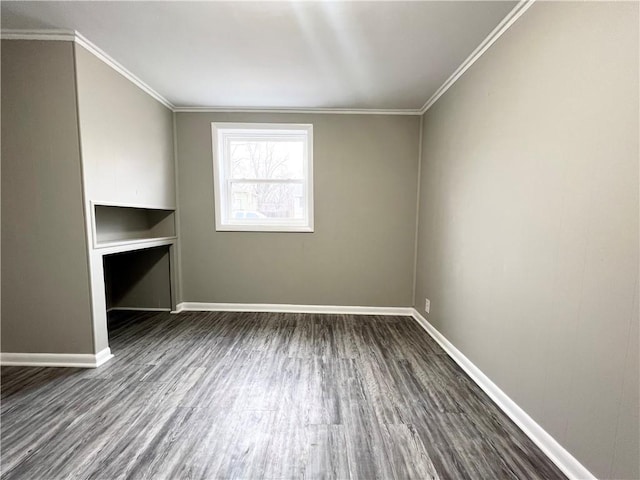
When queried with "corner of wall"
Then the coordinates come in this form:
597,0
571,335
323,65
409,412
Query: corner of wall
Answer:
417,224
177,297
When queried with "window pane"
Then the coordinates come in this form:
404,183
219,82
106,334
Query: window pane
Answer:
266,159
263,201
264,176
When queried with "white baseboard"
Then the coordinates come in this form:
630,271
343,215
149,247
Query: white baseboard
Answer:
284,308
566,462
77,360
138,309
103,356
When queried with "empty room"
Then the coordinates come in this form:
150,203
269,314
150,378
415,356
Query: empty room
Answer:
320,240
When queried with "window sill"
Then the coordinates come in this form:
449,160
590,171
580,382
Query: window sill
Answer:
265,228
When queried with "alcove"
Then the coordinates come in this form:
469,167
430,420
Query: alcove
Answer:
138,280
116,225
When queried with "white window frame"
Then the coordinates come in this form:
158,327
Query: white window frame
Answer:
220,134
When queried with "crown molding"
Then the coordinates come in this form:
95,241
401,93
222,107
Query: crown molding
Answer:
496,33
51,35
339,111
91,47
73,36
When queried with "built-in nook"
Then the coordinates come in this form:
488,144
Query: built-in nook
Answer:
138,280
132,261
115,225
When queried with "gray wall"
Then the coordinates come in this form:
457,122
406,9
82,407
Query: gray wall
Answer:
528,224
362,250
45,279
127,138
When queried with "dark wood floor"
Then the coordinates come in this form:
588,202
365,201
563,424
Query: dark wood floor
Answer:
252,396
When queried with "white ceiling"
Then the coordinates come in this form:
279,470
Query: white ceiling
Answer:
335,55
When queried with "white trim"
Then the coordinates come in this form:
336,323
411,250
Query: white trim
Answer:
306,110
103,356
286,308
132,245
138,309
76,360
78,38
221,133
549,446
92,48
496,33
146,206
277,227
94,228
45,35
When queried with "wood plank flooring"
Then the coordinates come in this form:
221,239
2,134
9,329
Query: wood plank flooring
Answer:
261,396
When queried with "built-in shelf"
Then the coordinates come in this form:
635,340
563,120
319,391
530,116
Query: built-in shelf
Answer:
117,226
129,245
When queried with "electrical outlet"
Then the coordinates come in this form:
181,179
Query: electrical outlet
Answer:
427,305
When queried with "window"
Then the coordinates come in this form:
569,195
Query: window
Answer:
263,177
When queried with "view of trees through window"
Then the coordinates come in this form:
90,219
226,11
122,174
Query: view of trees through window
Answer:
266,178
